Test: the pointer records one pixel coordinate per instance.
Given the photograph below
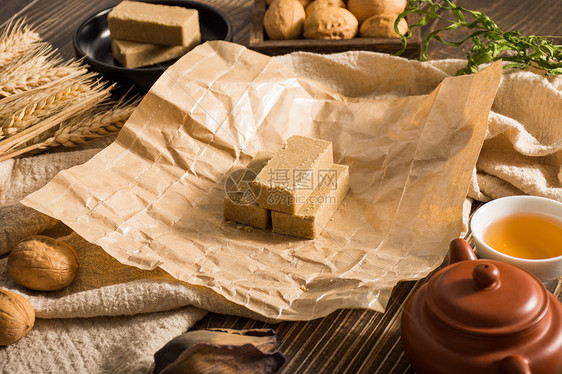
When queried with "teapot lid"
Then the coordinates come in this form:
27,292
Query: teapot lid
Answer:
486,297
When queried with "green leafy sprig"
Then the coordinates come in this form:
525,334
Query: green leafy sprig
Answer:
490,43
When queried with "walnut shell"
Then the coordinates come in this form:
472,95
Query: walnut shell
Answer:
382,26
284,19
363,9
319,4
16,317
42,263
303,2
331,23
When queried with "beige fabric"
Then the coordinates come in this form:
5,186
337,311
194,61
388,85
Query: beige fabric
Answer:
105,287
131,312
19,222
20,177
96,345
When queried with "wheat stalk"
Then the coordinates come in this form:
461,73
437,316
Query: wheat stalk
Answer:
21,67
102,124
20,99
45,102
16,40
79,132
96,94
46,106
39,70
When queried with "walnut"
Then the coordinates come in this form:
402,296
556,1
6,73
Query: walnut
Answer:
42,263
363,9
284,19
382,26
319,4
331,23
16,317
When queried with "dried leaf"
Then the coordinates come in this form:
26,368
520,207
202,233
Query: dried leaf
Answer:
216,359
261,339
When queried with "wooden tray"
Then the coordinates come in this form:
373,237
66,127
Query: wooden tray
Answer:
259,41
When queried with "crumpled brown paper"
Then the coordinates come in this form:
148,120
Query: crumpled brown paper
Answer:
154,197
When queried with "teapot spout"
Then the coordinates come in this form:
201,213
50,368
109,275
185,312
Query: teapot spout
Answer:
460,250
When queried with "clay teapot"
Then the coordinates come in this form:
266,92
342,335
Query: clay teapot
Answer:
482,316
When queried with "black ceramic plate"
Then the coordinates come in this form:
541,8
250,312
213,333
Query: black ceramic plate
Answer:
92,42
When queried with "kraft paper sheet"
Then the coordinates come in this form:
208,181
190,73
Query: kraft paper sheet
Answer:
154,197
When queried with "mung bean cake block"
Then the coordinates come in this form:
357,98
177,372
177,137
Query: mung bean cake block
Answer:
290,176
136,54
313,216
239,203
153,23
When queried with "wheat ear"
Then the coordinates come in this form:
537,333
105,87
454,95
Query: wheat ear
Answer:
100,125
39,70
45,102
49,104
81,131
15,40
95,95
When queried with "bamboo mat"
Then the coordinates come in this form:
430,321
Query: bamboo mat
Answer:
346,341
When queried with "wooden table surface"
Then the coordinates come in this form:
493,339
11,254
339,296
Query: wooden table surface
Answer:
347,341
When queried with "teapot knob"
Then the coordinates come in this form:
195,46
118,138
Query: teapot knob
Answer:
486,276
514,365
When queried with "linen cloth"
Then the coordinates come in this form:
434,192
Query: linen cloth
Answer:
114,317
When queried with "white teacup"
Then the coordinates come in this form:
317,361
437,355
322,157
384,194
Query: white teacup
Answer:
545,269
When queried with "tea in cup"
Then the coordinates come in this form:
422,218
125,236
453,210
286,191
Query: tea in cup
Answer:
525,231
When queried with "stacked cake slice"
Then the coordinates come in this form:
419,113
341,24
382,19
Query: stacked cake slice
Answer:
300,186
145,34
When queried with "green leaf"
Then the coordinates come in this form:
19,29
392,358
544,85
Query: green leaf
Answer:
490,42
